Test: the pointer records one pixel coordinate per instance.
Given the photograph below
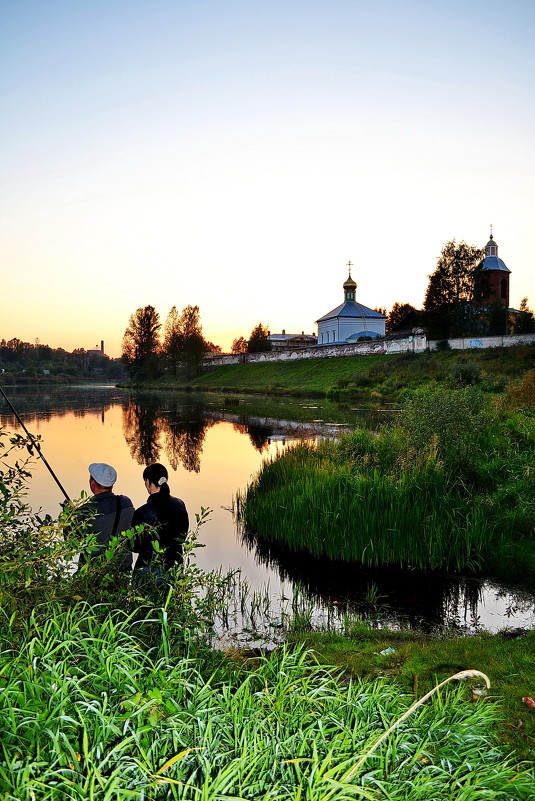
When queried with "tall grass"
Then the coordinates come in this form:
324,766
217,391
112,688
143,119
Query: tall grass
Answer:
88,711
412,520
450,488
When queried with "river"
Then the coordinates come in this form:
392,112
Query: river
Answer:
213,446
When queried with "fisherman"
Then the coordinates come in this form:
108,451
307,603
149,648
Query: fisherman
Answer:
113,513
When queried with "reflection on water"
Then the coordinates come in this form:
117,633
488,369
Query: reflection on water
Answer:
213,446
414,599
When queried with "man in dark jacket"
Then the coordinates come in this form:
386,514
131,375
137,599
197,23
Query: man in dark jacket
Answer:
113,513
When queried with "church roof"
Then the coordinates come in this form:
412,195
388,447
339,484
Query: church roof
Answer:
493,263
491,260
350,308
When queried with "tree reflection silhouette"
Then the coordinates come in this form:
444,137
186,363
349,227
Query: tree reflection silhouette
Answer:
184,440
179,429
259,435
141,429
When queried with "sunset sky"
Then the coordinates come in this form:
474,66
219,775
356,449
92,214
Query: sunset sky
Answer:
235,155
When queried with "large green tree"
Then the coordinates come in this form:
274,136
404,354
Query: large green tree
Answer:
172,343
239,345
449,300
398,313
258,340
184,343
141,344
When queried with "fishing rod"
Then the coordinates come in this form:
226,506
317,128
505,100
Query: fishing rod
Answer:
34,442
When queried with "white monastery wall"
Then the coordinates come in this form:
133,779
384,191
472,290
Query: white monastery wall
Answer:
470,343
416,343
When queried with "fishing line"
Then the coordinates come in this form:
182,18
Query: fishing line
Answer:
34,442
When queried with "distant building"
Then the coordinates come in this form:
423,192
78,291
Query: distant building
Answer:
351,321
492,278
96,351
286,341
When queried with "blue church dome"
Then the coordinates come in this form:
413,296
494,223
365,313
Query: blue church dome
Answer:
491,260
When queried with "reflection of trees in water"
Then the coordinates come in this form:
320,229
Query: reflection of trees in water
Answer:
179,430
259,435
414,598
184,440
141,429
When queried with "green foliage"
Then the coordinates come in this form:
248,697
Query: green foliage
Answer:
421,660
450,419
141,344
464,373
88,711
258,339
450,310
449,488
184,343
28,360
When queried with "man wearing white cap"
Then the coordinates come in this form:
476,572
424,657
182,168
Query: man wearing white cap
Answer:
113,512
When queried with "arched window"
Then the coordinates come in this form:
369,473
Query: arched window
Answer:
503,289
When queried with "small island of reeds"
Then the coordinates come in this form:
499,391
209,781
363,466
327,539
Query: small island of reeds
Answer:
448,485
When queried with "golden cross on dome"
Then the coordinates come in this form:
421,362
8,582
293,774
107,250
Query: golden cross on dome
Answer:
350,265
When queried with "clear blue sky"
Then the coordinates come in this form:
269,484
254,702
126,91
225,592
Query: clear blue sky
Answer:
236,155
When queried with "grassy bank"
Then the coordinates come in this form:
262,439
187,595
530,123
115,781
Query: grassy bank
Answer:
418,661
448,487
90,710
117,696
355,376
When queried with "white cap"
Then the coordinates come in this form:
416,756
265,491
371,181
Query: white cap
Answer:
104,474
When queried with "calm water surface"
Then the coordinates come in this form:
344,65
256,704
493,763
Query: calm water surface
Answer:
213,446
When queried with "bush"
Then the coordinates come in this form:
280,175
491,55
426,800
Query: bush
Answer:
464,373
453,418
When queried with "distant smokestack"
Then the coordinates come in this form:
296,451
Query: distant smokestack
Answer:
102,346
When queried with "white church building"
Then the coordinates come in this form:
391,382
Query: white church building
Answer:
350,321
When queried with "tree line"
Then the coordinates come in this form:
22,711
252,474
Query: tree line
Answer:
34,360
147,351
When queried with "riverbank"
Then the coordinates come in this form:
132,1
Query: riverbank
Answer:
373,377
416,662
120,691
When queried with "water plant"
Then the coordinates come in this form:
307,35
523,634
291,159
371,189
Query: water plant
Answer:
447,488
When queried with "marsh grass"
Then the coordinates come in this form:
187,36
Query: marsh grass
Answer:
449,487
88,711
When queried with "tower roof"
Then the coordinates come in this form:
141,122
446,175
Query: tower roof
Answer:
491,260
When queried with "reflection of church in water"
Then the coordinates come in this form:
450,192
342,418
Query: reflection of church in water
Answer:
350,321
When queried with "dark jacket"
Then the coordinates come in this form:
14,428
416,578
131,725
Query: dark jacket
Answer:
170,518
106,505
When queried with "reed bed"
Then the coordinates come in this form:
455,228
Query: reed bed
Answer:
448,488
89,711
413,519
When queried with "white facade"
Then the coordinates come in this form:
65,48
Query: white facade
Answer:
350,321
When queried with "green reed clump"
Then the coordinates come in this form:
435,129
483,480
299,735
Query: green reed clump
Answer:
412,519
450,487
88,712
